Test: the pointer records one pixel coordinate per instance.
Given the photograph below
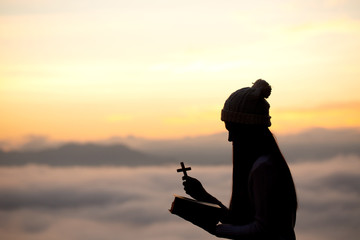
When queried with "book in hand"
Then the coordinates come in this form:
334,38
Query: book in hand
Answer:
196,212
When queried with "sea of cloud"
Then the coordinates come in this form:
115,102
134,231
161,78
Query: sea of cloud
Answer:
41,202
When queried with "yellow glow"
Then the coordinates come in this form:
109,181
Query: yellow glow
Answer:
329,116
164,70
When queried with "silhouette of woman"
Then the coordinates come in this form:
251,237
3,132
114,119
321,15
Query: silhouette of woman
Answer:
263,203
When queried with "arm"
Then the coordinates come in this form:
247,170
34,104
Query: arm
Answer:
194,188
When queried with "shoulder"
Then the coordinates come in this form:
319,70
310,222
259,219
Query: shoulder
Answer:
264,167
264,161
263,177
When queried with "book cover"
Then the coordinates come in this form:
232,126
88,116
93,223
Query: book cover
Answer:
197,212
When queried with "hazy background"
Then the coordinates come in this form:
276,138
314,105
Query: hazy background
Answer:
108,190
101,100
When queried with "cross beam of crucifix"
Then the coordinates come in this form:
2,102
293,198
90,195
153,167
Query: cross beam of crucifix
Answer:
183,169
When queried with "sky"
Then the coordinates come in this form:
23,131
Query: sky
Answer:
158,70
90,70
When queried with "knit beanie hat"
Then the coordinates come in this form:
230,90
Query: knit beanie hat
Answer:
248,105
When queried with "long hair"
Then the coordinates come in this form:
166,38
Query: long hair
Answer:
249,143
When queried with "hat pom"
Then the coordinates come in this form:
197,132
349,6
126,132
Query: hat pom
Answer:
263,87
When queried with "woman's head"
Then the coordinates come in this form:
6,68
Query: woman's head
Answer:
246,112
248,105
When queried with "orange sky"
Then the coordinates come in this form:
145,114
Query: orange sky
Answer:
87,71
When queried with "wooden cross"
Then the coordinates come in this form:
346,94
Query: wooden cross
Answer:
183,169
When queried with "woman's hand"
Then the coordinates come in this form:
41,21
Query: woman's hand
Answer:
194,188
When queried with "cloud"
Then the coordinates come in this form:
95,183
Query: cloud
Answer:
329,197
316,144
58,198
320,144
40,202
28,143
311,145
108,202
